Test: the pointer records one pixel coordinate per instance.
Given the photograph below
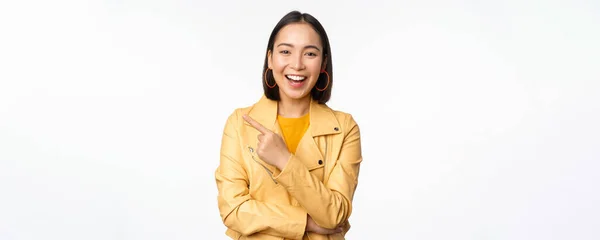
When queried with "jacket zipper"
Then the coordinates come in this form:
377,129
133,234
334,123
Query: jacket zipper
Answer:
267,169
325,158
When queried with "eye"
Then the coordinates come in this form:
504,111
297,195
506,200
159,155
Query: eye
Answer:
284,52
312,54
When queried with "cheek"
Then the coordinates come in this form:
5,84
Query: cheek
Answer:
315,68
279,64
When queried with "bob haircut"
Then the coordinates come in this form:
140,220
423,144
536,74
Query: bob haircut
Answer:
296,17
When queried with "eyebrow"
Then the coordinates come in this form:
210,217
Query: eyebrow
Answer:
307,46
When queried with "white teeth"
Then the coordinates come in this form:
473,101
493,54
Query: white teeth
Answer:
295,78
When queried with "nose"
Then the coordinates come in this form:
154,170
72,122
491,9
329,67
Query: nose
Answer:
297,63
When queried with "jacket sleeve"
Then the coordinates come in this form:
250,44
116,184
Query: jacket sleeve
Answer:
328,204
238,210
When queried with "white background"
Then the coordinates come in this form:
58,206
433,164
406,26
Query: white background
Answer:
479,119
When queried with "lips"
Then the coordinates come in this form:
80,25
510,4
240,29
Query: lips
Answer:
297,78
295,81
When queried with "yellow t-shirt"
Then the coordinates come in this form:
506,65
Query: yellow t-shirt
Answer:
293,129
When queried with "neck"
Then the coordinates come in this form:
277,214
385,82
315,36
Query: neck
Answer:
293,108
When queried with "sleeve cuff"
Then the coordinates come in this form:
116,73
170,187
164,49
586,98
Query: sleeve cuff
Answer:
298,228
286,174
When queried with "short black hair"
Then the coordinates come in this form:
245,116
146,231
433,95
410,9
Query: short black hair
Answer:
295,17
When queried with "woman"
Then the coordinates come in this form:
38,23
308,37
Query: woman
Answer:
289,164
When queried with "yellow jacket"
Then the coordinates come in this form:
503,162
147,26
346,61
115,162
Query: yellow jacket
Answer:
258,201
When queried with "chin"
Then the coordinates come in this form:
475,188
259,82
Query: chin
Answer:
296,94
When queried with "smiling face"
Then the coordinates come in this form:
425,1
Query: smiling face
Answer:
296,60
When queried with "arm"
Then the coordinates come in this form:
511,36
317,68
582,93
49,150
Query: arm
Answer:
238,210
329,205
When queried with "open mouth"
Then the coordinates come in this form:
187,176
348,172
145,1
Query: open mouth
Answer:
295,78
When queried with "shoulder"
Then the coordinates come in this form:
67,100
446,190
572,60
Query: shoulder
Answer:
345,119
240,111
235,116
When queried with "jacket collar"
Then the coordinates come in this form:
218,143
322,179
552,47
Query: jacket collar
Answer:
322,118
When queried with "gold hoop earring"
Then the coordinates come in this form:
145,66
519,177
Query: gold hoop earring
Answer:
267,82
323,89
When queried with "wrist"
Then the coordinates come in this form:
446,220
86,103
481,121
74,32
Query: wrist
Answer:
283,161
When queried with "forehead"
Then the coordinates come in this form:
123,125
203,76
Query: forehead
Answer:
298,34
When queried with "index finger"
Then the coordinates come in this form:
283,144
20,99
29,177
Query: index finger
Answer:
256,124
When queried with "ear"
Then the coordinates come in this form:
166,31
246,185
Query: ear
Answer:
269,59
